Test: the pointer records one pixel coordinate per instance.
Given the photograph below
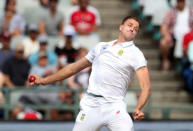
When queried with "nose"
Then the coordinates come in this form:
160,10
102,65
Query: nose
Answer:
132,29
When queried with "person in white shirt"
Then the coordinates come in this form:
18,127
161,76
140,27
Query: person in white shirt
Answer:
31,43
113,64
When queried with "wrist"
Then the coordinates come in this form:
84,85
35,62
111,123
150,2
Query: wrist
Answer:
45,81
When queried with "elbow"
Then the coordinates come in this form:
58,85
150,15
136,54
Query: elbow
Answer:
149,89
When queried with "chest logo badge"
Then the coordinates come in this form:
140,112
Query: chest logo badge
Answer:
82,117
120,52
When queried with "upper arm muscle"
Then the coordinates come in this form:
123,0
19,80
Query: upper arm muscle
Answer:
143,77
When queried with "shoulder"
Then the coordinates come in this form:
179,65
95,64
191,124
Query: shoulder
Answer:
74,10
92,9
136,51
45,13
103,44
18,17
9,61
172,11
51,54
34,55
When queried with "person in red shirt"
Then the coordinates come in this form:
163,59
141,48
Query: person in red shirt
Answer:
187,39
85,19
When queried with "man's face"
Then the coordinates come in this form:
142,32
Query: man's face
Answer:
53,4
129,29
5,43
19,54
83,4
181,4
33,35
43,61
43,46
11,5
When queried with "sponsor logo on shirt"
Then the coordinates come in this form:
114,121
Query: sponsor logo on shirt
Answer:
120,52
82,117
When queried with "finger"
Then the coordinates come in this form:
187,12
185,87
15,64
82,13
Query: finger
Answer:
141,115
136,113
31,84
138,118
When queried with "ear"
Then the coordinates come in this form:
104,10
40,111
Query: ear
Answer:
120,27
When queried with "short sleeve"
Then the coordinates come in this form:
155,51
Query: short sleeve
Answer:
18,22
91,54
94,52
140,60
97,15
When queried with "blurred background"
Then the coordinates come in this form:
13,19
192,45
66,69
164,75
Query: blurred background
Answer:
42,36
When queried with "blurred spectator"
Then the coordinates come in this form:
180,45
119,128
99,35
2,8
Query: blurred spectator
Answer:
84,18
52,21
86,21
31,43
186,41
177,22
80,80
16,68
5,53
42,69
10,20
52,57
68,53
185,63
66,98
188,72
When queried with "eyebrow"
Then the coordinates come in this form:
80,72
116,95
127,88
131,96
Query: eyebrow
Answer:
136,27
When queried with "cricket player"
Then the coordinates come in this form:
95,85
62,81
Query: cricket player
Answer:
113,64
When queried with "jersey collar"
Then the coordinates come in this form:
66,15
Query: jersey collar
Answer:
123,44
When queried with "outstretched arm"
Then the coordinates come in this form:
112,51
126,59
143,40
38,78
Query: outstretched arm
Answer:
64,73
144,82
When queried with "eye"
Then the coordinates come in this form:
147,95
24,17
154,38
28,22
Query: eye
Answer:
136,30
129,25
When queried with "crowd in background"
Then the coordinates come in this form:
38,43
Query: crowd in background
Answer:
40,37
175,19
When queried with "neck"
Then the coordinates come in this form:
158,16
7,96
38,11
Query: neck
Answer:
33,39
68,46
121,39
181,9
52,11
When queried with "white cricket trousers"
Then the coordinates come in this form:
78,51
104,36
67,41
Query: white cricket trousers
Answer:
94,115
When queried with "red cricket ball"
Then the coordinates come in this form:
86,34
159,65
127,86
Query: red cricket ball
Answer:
32,78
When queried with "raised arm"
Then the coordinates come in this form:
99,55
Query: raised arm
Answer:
64,73
144,82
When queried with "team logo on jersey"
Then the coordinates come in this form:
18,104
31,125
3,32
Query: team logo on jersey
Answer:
82,117
120,52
